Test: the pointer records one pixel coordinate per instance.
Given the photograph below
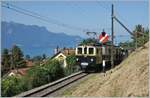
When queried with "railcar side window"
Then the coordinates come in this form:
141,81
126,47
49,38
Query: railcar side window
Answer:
91,51
79,50
85,50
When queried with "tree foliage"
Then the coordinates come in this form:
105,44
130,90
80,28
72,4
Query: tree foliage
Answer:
17,57
88,41
12,85
71,60
42,74
6,63
37,76
28,57
37,58
55,69
71,64
141,36
43,56
12,59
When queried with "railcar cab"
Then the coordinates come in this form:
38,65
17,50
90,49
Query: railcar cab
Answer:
85,55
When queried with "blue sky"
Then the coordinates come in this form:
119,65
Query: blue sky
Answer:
92,15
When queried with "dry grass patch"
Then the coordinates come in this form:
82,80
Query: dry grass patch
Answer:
130,78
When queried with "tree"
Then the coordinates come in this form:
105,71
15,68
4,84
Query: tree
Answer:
12,85
37,76
28,57
43,56
37,58
141,36
71,61
6,64
88,41
42,74
139,28
17,57
126,45
146,35
55,69
138,31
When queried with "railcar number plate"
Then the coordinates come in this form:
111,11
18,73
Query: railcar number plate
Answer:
84,63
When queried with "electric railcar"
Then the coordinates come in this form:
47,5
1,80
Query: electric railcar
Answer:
90,57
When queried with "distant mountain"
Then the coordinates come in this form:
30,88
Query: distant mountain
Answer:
34,40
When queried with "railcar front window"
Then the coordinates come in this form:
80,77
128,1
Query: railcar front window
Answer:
91,51
85,50
79,50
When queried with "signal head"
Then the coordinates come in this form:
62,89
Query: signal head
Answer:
103,34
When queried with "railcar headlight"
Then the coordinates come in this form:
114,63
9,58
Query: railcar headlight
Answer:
92,60
77,59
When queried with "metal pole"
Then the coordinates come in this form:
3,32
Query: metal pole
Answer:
135,36
143,36
112,37
123,25
136,41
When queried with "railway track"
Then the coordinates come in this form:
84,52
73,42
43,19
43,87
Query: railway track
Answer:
48,89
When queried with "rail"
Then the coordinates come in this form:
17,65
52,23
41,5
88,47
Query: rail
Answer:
52,87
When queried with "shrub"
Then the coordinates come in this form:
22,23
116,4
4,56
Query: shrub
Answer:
71,65
12,85
37,76
42,74
55,69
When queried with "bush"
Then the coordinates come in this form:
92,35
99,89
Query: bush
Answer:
12,85
55,69
39,75
36,76
71,65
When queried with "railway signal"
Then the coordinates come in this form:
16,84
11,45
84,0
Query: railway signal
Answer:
103,38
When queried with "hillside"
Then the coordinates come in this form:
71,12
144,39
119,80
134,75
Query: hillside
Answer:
130,78
33,39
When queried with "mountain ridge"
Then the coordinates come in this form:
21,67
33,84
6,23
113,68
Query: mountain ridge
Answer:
31,37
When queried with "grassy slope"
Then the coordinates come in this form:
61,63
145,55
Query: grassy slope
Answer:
130,78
